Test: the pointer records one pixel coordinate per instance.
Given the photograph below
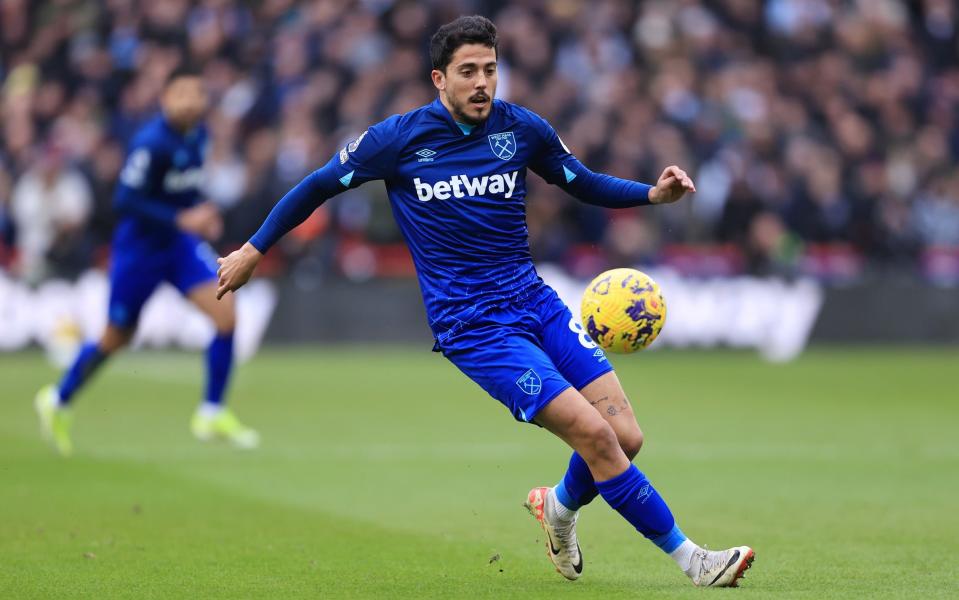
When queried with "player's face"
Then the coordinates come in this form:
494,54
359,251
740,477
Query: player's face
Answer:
184,101
468,85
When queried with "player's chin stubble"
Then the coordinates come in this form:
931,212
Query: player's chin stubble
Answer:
460,112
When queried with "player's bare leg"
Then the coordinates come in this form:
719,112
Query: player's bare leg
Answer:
606,395
573,418
211,419
222,312
51,402
115,338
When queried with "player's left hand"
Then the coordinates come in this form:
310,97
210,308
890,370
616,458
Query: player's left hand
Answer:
672,185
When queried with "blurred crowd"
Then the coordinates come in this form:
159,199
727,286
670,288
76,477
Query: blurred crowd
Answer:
822,134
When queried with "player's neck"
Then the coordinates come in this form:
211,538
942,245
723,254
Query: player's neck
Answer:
465,127
179,127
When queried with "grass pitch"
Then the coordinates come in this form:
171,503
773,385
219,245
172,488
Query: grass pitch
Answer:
387,474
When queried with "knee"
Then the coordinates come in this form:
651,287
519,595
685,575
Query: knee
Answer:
114,339
631,443
224,319
225,323
597,435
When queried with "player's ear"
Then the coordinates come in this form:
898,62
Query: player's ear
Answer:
439,79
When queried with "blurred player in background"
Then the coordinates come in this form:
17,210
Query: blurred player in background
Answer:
455,171
160,237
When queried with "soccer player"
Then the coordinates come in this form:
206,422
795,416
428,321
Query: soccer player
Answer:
159,238
455,171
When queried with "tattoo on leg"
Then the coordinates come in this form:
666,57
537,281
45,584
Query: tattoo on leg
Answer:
611,411
603,399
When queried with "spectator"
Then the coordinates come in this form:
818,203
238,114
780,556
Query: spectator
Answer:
837,117
51,206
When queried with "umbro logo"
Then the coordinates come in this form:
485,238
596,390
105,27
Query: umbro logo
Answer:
425,155
644,494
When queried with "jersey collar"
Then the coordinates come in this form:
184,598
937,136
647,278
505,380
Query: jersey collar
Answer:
437,107
184,135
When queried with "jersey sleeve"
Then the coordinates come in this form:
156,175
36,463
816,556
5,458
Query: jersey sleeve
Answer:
370,156
134,191
553,161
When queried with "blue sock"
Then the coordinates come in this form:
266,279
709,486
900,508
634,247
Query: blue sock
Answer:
577,489
84,365
219,361
632,496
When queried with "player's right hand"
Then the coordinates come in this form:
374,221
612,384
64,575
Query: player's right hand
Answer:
203,220
236,269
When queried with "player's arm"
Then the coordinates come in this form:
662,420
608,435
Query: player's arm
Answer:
558,166
613,192
133,197
371,156
292,209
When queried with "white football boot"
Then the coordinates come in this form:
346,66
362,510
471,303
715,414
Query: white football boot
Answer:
562,546
719,568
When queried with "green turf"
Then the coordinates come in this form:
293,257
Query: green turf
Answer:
386,474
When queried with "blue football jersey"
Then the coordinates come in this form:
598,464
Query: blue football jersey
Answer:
459,198
163,174
458,194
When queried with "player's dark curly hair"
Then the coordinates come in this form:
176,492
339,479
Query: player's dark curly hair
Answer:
184,70
464,30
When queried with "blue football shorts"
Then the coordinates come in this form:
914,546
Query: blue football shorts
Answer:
135,274
526,353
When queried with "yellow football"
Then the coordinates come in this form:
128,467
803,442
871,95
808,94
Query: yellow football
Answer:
623,310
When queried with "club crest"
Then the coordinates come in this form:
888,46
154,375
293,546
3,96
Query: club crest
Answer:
530,383
502,144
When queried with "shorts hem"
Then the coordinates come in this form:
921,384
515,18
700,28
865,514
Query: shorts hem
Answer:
545,403
187,289
594,378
